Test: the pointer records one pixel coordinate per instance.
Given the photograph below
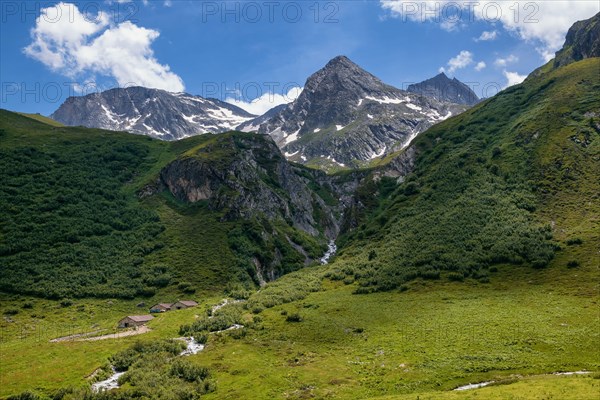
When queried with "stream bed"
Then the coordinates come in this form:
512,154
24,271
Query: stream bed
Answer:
331,249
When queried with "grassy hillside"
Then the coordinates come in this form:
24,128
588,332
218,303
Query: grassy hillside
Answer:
72,207
514,180
41,118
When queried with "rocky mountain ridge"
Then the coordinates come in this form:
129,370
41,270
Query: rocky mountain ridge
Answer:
443,88
346,117
152,112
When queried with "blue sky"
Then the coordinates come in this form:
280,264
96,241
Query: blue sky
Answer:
242,50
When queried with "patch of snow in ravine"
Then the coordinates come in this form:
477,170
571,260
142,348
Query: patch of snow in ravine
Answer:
387,100
360,102
412,137
381,152
317,130
109,114
370,116
291,154
292,138
339,127
189,119
413,107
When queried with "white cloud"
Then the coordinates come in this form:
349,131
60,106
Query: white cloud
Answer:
480,66
513,78
267,101
462,60
503,62
75,44
487,36
545,23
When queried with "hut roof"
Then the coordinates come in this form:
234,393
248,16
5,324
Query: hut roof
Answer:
188,303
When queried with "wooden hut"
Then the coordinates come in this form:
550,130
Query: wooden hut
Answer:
183,304
160,307
134,320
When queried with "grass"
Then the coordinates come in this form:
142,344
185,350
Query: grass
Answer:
41,118
422,342
432,338
29,361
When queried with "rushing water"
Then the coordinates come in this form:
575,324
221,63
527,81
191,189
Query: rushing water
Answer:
108,384
331,249
484,384
193,347
474,385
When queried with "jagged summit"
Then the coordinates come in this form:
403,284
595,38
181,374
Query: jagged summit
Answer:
442,88
346,117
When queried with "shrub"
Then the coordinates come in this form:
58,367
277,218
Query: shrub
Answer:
25,396
11,311
295,317
574,241
573,264
66,303
183,369
456,276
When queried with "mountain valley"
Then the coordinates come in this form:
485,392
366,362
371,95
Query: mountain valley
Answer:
361,241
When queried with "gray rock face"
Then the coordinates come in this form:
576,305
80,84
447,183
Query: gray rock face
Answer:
246,176
583,41
346,117
442,88
152,112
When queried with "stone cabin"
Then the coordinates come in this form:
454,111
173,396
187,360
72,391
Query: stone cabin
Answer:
134,320
183,304
161,307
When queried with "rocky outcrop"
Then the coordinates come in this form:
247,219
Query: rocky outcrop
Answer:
152,112
244,175
583,41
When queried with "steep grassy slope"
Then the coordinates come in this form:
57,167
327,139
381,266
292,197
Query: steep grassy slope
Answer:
514,180
73,223
41,118
65,211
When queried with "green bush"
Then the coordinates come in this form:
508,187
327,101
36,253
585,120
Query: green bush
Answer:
295,317
183,369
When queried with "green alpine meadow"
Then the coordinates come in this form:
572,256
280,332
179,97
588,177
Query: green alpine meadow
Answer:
358,242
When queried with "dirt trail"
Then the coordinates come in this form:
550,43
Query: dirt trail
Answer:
82,337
